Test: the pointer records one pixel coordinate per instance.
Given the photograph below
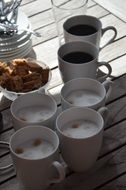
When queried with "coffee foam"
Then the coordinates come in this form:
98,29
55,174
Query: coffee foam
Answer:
35,149
83,97
34,113
80,128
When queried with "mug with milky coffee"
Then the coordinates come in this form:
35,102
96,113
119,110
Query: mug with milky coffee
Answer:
34,108
85,92
80,131
87,28
35,156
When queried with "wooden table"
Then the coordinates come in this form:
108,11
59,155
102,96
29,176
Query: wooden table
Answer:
109,172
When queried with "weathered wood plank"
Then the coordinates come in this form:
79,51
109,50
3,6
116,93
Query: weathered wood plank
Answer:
39,6
117,7
114,50
118,88
110,167
118,183
90,3
46,18
36,7
118,66
12,184
6,119
113,138
117,111
5,137
6,160
26,1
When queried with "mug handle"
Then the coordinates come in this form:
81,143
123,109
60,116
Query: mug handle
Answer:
61,172
104,113
108,86
109,70
6,144
112,38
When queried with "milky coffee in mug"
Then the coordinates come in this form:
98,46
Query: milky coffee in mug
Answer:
34,108
80,131
35,156
85,92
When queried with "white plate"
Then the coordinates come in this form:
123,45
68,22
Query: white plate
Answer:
19,54
15,50
12,45
12,48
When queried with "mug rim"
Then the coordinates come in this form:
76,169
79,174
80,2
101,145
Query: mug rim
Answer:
98,29
77,42
61,8
83,79
80,138
82,16
30,94
28,128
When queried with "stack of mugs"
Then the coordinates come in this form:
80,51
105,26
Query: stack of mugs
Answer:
78,130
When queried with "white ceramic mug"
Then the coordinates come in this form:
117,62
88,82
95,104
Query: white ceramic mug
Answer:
80,131
40,171
90,29
85,92
89,68
34,108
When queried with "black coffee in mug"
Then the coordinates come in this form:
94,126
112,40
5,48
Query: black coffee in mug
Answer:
82,30
77,57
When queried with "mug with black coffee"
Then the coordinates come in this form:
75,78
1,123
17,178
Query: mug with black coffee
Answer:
86,28
80,59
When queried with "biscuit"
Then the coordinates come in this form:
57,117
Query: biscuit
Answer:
23,75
